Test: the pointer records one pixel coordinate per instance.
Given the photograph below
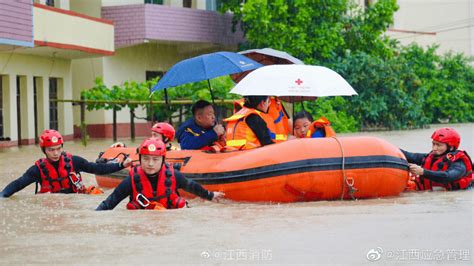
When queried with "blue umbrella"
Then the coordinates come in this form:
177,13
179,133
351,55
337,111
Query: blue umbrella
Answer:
205,67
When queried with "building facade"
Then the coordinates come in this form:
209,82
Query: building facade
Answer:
54,49
149,39
38,42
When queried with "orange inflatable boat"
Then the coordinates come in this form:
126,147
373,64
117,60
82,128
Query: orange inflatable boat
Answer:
296,170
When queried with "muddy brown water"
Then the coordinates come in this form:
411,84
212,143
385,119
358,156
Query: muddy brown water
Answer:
415,228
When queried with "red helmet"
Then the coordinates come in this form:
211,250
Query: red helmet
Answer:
447,135
152,146
49,138
164,129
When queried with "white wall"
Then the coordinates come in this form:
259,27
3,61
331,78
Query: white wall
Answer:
90,7
28,67
449,19
131,63
84,73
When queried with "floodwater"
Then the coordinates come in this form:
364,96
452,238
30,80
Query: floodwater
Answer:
415,228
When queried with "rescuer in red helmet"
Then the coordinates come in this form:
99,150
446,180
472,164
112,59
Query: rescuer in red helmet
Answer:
445,166
153,184
60,171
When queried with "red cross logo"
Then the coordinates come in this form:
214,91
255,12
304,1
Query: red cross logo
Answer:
298,81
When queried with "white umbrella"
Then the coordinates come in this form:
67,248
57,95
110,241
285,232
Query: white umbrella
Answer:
294,80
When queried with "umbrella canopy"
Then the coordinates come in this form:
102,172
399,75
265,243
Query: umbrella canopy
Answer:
269,56
205,67
294,80
266,56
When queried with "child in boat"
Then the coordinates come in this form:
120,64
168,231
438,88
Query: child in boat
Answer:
153,184
305,127
59,171
445,166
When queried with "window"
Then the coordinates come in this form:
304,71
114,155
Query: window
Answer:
212,5
50,3
1,108
153,74
187,3
155,2
53,106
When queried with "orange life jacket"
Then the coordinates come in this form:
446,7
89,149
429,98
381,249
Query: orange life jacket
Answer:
238,104
63,180
323,124
239,135
146,197
280,119
275,111
442,163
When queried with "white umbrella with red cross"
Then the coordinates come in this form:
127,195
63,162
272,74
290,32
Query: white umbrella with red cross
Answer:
294,80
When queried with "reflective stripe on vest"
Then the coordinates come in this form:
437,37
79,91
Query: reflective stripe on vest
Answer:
277,113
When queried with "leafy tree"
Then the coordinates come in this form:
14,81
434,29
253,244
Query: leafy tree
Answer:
313,30
399,87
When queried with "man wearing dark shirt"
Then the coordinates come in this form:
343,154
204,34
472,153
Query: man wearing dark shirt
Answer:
200,131
57,172
153,184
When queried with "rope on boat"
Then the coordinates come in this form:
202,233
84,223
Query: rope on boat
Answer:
349,182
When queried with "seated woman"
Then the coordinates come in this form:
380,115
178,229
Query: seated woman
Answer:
305,127
251,127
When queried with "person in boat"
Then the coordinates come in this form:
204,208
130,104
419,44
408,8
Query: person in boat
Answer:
251,126
160,130
60,171
445,166
153,183
164,132
305,127
280,117
201,131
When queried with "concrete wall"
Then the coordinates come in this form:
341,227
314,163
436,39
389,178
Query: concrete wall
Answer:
450,20
128,64
84,73
90,7
68,29
44,68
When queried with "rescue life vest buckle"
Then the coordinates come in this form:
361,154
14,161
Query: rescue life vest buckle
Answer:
77,182
142,200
